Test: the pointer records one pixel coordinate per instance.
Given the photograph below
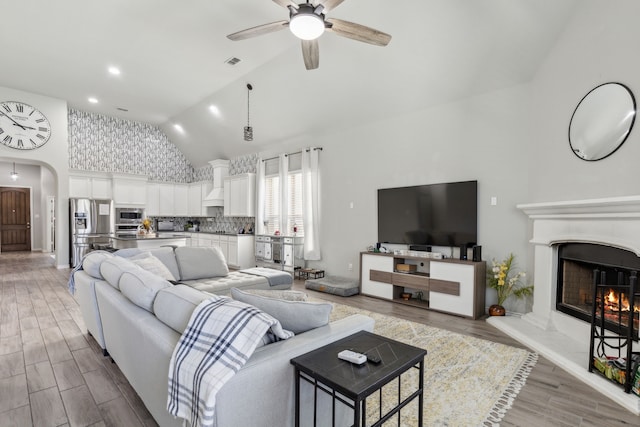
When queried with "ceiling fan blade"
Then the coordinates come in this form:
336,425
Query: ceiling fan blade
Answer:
259,30
329,4
286,3
311,54
358,32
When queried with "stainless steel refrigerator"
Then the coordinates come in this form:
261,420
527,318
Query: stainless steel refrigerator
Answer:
92,225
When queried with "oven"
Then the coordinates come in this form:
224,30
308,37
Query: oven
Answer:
128,221
129,216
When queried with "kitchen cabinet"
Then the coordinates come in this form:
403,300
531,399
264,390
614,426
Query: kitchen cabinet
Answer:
165,199
239,195
197,193
90,186
130,190
180,199
238,250
153,199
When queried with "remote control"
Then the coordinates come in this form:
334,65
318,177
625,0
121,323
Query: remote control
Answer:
352,356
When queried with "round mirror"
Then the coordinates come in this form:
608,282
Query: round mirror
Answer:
602,121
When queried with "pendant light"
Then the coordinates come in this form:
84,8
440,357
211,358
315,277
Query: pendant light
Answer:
14,174
248,130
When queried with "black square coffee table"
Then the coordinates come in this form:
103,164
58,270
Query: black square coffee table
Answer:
336,377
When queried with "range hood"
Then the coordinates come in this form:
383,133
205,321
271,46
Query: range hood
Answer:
220,171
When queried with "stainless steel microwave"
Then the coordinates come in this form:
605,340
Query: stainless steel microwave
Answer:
129,215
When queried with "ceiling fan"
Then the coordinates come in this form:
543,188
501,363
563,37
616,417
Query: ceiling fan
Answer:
308,21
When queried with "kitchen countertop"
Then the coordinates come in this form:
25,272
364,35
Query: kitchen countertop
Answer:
221,233
153,236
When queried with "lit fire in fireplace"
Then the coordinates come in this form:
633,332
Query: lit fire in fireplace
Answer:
616,305
617,302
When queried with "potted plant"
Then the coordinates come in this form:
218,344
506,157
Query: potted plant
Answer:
506,282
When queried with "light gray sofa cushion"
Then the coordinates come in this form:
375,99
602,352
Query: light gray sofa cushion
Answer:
148,262
199,263
286,295
112,269
91,263
163,253
296,316
174,305
141,287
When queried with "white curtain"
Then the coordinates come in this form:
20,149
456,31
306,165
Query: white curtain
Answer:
311,203
260,197
284,194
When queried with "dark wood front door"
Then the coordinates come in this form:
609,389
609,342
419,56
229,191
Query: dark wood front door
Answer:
15,225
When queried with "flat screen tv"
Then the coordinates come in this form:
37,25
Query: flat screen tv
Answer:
433,215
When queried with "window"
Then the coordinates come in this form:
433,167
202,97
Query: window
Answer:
272,198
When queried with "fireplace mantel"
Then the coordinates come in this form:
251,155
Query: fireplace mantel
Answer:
614,222
611,221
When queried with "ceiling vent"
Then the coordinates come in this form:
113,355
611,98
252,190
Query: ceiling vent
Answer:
232,61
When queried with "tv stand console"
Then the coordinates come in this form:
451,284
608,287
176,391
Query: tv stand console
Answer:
447,285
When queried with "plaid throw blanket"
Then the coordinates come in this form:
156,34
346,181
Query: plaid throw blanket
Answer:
219,339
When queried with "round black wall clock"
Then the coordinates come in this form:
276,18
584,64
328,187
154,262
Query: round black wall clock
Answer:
23,127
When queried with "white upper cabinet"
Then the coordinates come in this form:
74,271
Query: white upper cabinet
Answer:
130,190
153,199
180,199
239,195
165,199
92,186
197,193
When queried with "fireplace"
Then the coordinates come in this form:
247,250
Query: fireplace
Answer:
583,265
558,325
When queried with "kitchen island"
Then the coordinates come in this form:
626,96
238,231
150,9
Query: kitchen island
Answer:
148,241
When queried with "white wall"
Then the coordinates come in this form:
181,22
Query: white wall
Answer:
54,155
599,46
482,138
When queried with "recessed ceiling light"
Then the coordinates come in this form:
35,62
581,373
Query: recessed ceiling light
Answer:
178,128
114,71
92,100
214,110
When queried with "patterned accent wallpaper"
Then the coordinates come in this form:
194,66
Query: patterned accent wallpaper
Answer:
108,144
238,165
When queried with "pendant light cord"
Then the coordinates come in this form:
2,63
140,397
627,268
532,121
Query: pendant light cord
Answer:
249,88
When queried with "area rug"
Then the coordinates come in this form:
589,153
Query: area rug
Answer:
468,381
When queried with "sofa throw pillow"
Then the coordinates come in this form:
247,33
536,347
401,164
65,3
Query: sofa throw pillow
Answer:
174,305
200,263
91,263
296,316
141,287
147,261
112,268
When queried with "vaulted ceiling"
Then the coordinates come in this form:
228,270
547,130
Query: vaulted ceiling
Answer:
172,59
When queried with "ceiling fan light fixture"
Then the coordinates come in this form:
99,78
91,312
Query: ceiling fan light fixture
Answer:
306,25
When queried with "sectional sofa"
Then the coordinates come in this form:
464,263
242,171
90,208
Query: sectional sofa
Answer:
143,315
202,268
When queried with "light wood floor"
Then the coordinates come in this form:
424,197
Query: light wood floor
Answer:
53,374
